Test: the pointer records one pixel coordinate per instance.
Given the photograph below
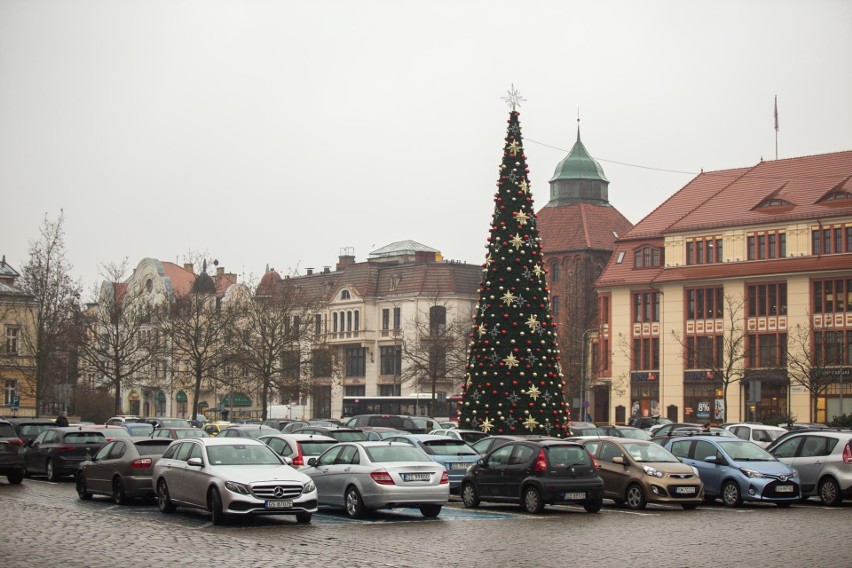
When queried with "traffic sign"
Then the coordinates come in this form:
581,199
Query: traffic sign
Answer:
16,401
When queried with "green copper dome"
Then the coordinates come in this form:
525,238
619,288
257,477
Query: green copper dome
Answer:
578,165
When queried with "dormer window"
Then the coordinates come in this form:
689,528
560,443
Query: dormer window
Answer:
837,195
775,202
648,257
344,295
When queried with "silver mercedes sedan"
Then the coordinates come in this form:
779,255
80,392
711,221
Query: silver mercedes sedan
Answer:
360,476
231,477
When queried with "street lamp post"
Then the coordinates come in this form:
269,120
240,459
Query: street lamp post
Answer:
584,374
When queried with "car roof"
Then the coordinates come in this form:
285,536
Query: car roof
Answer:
301,437
221,441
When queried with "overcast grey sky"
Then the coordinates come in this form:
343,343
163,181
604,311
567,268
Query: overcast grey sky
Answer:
279,132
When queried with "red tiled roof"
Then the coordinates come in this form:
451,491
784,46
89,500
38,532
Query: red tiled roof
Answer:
580,226
181,278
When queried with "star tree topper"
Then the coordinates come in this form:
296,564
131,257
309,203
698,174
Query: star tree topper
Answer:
514,99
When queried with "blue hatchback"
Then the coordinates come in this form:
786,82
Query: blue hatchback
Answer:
737,470
455,455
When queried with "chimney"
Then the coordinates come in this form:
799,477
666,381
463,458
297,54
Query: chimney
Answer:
309,271
188,266
344,260
326,270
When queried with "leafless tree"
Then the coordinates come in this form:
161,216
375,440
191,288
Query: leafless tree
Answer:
122,344
196,327
815,357
434,347
47,277
726,361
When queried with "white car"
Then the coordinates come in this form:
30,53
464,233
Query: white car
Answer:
760,434
231,477
469,436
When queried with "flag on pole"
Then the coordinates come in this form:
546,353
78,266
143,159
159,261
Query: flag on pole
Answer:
776,113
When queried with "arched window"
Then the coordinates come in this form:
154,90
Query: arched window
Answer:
344,295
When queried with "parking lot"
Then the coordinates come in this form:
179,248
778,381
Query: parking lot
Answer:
46,524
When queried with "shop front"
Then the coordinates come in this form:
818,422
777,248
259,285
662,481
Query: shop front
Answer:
703,400
766,395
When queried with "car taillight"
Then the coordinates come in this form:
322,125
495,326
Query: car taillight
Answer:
16,442
541,462
594,463
847,453
65,448
300,457
445,478
141,463
382,478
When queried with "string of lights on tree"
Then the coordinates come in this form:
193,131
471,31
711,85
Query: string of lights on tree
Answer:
513,381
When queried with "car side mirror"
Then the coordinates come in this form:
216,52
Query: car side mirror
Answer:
713,459
481,463
195,462
30,444
287,460
619,459
311,462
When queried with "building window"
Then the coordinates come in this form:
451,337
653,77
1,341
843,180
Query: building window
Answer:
10,389
646,307
321,362
317,325
554,271
385,319
766,350
833,348
704,351
344,295
356,361
646,354
648,257
13,337
355,390
767,299
437,320
390,390
390,360
832,240
554,306
832,296
766,245
704,303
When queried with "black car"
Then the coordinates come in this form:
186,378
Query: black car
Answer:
11,459
490,443
28,428
58,452
535,473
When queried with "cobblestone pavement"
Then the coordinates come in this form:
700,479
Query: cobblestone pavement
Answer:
45,524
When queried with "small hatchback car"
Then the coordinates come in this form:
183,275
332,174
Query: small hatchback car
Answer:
535,473
824,461
737,470
637,472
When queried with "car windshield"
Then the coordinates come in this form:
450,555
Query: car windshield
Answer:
33,430
83,438
117,432
357,436
745,451
140,428
448,447
191,433
649,453
258,432
566,456
383,454
242,454
154,447
315,447
635,434
173,423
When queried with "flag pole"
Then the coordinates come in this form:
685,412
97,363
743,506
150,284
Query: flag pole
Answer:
776,127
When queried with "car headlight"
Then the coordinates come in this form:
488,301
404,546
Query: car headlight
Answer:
309,486
695,470
235,487
751,473
652,471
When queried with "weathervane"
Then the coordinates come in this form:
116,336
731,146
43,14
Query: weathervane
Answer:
514,99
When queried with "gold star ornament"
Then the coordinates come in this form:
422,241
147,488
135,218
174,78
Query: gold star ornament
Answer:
517,241
486,425
530,423
521,218
508,298
533,392
511,361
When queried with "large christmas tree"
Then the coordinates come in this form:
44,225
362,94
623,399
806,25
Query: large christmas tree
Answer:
514,384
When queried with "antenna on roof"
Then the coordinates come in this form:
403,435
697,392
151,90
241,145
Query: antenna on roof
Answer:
776,127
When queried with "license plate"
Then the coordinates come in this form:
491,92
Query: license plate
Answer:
459,466
416,476
784,489
685,490
574,495
279,504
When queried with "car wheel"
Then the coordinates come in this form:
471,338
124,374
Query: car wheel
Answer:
593,505
731,494
82,491
469,496
430,511
164,502
15,478
119,497
214,503
689,506
304,518
829,492
354,504
51,472
532,502
635,497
